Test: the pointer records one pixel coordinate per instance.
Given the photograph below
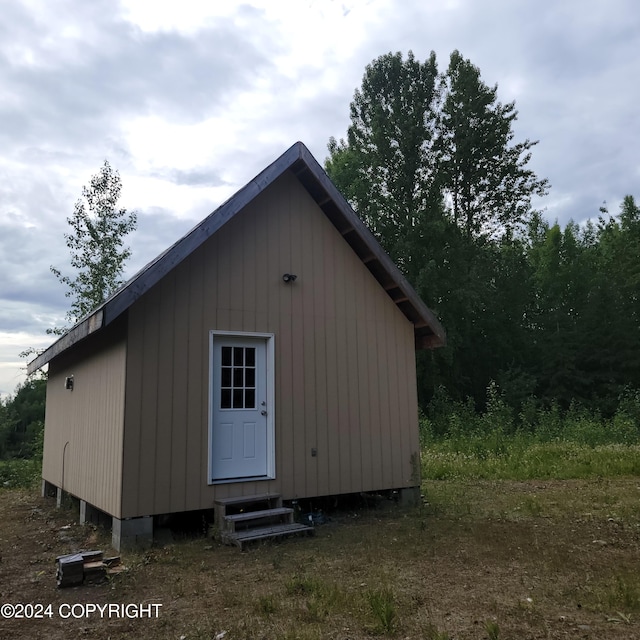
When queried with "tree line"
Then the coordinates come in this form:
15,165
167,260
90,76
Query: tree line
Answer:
546,317
550,315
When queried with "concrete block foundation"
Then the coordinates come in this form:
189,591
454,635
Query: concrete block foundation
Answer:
132,532
410,497
125,534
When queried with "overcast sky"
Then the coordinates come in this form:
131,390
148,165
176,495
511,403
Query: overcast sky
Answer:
190,99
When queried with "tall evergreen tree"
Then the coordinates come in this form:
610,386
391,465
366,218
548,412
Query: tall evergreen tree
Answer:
558,258
584,321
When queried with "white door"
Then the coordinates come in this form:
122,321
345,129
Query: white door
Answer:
239,412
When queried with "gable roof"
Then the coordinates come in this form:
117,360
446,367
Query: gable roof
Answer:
297,159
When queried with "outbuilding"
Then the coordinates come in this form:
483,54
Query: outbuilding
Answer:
269,352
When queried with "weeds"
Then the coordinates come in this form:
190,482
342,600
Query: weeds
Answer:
15,474
520,457
303,585
382,604
459,443
433,633
518,553
531,506
492,629
267,605
320,598
624,593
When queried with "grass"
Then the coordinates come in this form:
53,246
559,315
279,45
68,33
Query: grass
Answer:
624,593
383,608
519,458
492,629
517,537
483,559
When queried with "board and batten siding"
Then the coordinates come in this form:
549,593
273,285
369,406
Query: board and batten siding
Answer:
83,435
345,380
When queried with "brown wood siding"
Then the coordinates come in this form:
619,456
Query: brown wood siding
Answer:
344,362
84,428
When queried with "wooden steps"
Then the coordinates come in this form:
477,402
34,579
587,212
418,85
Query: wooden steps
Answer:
264,514
259,517
263,533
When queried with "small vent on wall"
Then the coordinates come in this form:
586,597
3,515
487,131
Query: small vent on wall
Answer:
68,383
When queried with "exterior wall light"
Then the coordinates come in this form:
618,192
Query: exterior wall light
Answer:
289,277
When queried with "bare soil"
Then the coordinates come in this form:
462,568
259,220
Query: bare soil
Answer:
497,560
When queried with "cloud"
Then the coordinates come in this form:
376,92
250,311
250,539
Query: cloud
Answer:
190,100
77,71
195,178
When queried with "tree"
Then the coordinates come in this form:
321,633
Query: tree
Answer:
584,318
562,279
22,420
430,166
96,244
383,169
483,174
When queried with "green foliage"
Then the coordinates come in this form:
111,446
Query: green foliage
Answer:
96,244
458,442
484,175
383,169
584,310
22,421
430,166
20,473
552,314
524,458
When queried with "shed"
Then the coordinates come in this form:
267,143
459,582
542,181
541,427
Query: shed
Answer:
269,352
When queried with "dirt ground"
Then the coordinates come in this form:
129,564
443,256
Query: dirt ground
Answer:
495,560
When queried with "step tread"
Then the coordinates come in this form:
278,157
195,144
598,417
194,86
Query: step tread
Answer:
261,533
261,497
255,515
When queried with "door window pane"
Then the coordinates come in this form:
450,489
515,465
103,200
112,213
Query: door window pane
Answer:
238,378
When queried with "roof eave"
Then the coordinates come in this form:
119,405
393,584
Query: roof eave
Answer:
429,332
86,327
368,249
